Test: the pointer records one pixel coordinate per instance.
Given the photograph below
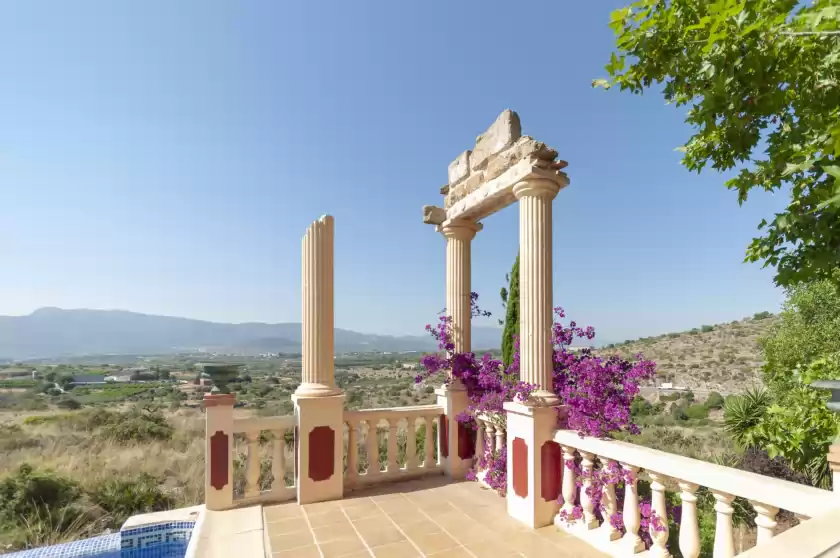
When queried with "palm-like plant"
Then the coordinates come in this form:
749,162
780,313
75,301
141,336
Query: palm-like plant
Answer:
743,412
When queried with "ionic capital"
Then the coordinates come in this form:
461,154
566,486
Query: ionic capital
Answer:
461,229
536,188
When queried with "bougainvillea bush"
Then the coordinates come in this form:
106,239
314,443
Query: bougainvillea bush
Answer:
596,393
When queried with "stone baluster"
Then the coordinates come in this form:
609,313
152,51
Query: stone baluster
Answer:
491,438
480,450
500,438
411,443
535,285
569,487
352,452
393,466
372,441
689,528
428,443
724,539
765,520
587,462
632,516
609,505
252,467
278,461
658,505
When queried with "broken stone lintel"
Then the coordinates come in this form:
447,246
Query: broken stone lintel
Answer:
497,193
433,215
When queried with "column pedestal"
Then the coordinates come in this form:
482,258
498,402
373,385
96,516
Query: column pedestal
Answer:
455,440
534,464
319,437
218,451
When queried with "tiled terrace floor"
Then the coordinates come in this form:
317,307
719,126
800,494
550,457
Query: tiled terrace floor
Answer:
428,517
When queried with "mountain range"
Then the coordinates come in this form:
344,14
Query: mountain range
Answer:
53,332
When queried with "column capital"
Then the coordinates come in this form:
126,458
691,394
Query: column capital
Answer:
461,229
536,187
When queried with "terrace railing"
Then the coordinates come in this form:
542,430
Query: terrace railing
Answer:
684,475
263,460
391,444
490,439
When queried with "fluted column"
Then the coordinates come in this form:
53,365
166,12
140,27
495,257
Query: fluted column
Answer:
535,285
318,318
459,235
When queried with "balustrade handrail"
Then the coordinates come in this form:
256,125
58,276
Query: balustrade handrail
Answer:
374,414
258,424
797,498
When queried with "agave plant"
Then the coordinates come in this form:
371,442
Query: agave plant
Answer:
743,412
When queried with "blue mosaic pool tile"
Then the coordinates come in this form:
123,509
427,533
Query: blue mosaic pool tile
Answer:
96,546
162,540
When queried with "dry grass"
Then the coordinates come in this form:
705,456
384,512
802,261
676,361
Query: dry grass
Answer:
89,459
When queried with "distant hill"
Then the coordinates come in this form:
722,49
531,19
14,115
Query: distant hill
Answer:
53,332
722,357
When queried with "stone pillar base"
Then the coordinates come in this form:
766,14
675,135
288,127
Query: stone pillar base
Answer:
218,452
534,464
319,448
455,440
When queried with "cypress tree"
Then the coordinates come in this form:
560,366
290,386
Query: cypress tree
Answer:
511,314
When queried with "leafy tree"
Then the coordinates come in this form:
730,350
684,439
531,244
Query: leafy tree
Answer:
511,300
762,80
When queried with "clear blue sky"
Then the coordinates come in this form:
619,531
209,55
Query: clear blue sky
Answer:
165,157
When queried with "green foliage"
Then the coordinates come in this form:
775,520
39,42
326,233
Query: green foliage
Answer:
69,403
697,411
808,328
743,412
714,401
640,407
761,316
31,496
760,78
139,425
511,328
122,498
707,328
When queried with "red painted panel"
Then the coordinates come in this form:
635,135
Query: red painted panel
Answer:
466,441
520,467
551,457
219,460
443,435
321,453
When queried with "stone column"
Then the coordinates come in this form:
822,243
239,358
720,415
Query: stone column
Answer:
218,465
319,404
318,318
535,285
459,237
460,448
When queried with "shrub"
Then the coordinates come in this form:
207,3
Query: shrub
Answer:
640,406
68,403
707,328
688,396
714,401
761,315
142,426
122,498
697,411
32,496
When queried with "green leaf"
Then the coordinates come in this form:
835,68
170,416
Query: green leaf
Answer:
832,170
601,83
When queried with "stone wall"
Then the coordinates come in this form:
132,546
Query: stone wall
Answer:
495,151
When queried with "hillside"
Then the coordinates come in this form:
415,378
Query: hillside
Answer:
53,332
723,357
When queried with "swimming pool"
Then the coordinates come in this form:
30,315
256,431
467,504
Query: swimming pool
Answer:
161,540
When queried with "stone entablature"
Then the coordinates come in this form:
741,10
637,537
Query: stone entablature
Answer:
481,179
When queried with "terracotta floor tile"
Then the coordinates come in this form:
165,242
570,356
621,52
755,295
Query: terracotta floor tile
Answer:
492,550
310,551
334,532
321,507
282,511
434,542
286,525
364,510
402,549
342,547
328,518
422,527
406,517
457,552
377,534
289,541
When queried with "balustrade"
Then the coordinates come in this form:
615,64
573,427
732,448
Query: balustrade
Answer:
262,450
490,439
665,471
391,440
